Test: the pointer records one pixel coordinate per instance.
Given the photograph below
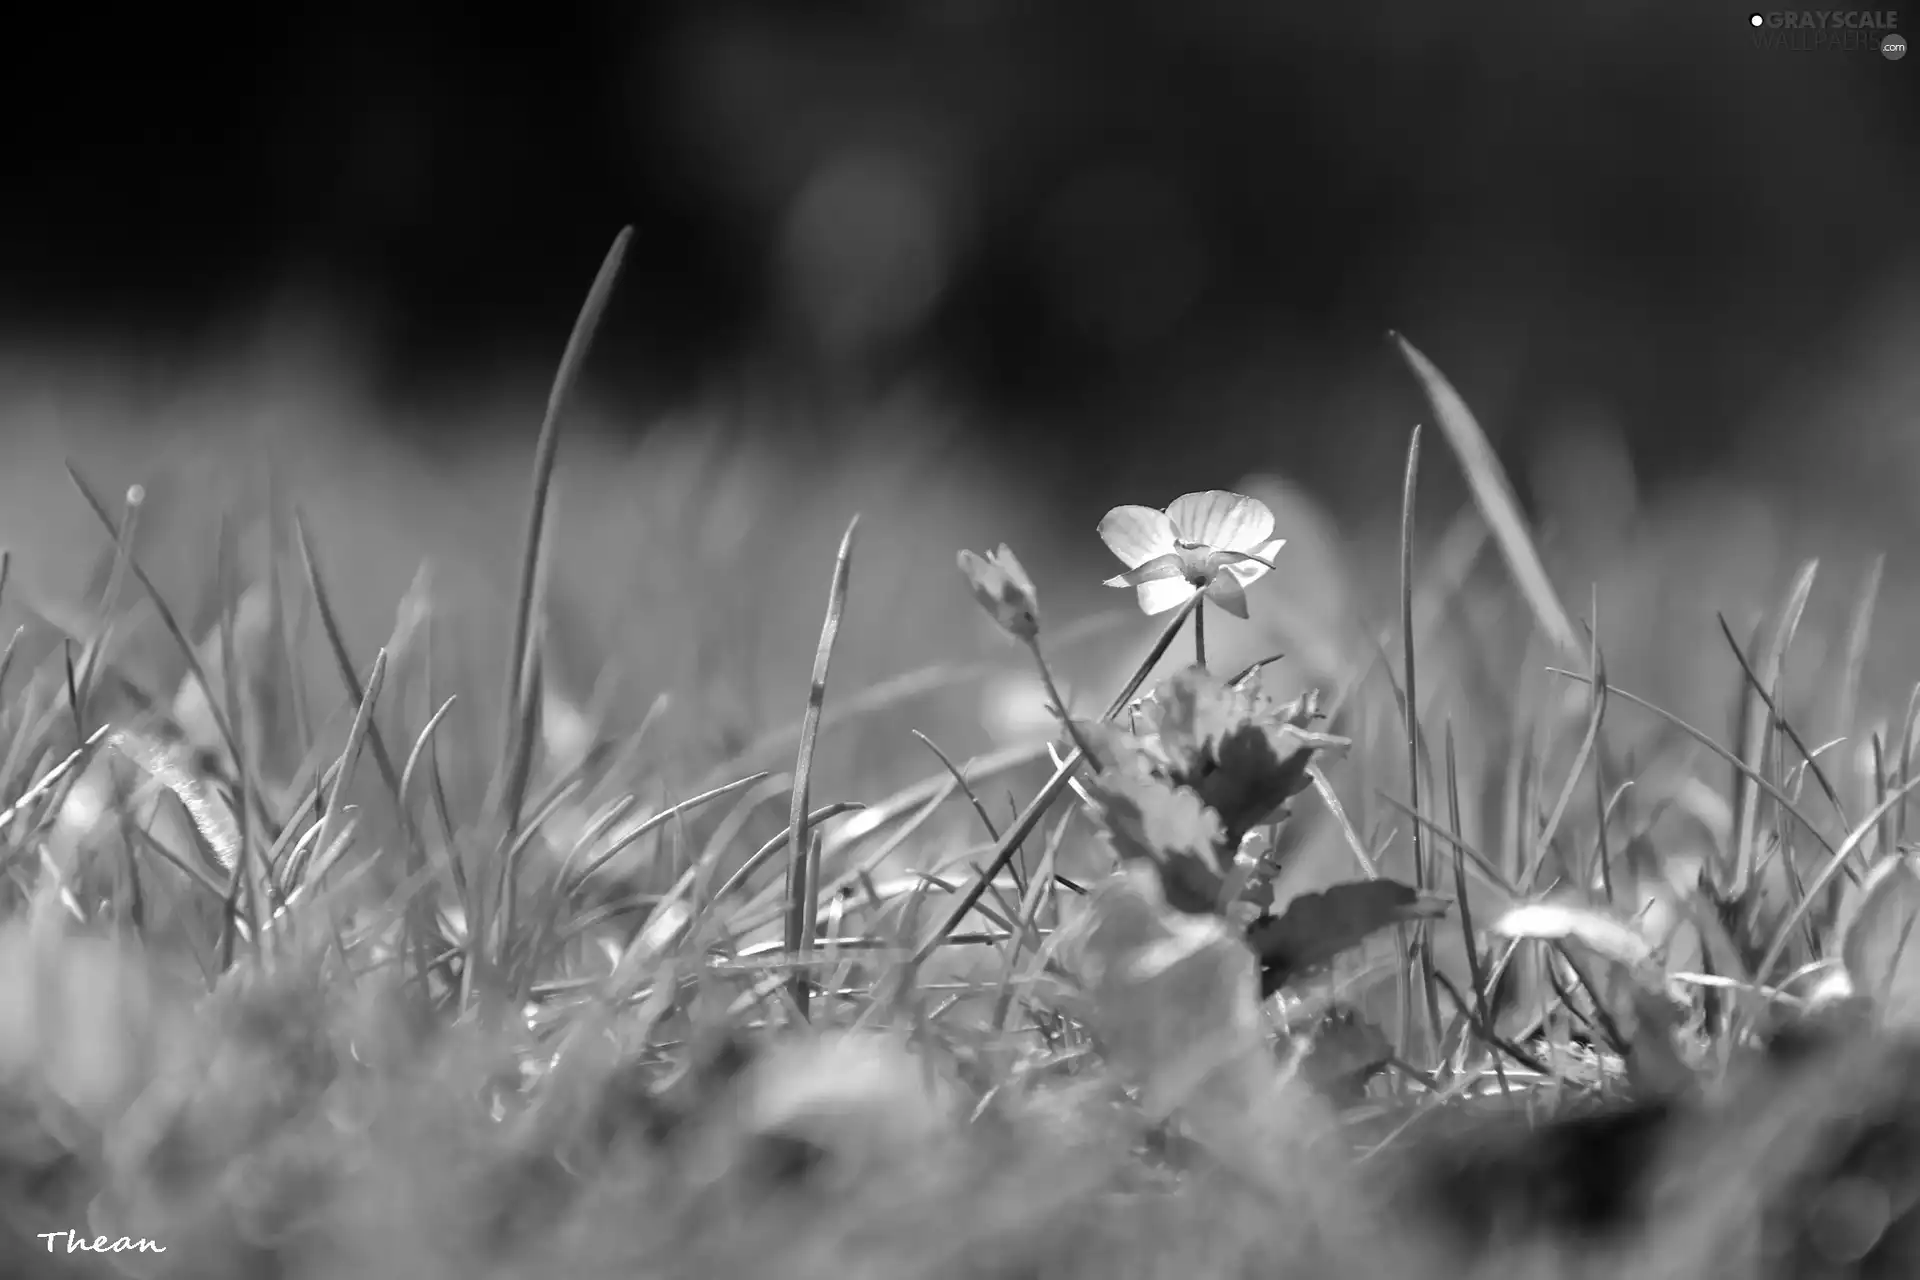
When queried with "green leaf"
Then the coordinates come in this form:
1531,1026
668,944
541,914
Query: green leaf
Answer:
1317,927
1243,754
1257,769
1150,820
1172,1000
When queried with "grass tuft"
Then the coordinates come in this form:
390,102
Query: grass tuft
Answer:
1436,962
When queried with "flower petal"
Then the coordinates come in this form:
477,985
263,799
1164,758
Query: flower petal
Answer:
1159,596
1222,519
1248,571
1225,590
1170,566
1011,566
1137,534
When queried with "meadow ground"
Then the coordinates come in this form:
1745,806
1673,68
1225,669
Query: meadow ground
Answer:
305,971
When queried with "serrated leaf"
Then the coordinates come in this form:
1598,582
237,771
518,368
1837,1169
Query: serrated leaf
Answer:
1256,769
1150,821
1194,709
1317,927
1244,755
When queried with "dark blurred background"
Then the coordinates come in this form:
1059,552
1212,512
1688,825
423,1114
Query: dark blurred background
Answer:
1084,217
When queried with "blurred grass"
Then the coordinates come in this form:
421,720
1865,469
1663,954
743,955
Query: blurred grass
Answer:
598,1088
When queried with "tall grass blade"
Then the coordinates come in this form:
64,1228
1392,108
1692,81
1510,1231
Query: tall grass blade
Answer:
1494,495
99,646
799,886
1859,633
1413,939
1758,721
509,778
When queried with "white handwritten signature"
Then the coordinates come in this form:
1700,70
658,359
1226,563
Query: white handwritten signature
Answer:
76,1243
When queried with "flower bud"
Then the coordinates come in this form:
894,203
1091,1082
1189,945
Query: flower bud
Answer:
1004,590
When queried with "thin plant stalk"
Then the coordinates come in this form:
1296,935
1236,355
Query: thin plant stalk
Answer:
1016,835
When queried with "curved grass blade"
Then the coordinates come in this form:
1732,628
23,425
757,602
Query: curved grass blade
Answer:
515,745
1493,494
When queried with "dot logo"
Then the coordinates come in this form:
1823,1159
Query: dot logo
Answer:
1893,48
1757,20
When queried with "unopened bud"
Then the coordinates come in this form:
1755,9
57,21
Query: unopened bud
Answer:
1004,590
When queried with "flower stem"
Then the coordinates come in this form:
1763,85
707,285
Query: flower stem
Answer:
1021,829
1059,703
1200,633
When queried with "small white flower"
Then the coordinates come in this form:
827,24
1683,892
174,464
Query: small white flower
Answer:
1216,541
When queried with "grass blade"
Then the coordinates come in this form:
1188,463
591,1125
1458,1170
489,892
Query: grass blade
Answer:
799,888
1493,494
1759,721
96,651
1859,632
509,779
357,736
1417,936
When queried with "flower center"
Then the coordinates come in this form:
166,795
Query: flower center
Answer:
1195,561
